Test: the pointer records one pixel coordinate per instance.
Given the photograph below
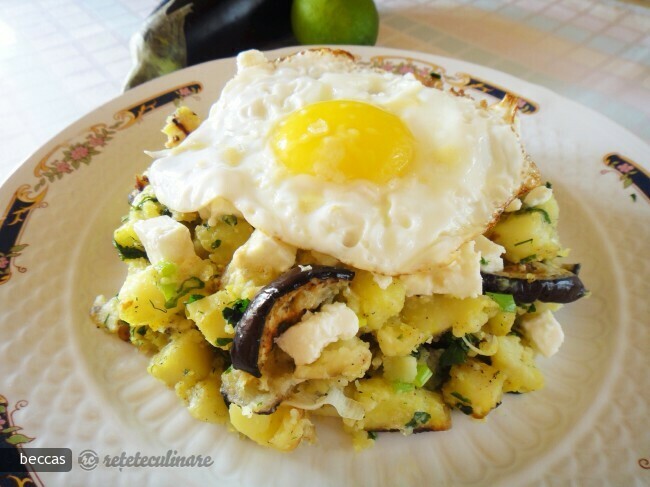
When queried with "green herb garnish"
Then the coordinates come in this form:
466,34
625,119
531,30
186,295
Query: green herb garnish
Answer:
126,253
423,375
548,184
459,396
230,220
523,242
154,307
468,410
456,351
194,297
372,435
419,418
484,262
544,213
141,330
186,286
505,301
402,386
215,244
233,313
527,259
222,342
144,199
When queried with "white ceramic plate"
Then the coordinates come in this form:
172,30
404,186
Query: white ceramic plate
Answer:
68,384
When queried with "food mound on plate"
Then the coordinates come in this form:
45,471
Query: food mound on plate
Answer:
341,241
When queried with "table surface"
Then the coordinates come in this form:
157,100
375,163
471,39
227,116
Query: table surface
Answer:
60,59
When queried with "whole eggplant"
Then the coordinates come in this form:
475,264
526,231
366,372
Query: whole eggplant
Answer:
181,33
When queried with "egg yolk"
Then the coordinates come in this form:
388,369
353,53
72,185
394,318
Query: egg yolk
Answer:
343,140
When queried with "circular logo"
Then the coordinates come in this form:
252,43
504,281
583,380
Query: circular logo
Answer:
88,459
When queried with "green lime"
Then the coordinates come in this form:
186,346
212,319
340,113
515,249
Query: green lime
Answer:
335,21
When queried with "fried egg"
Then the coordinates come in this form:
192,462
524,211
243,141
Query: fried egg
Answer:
331,155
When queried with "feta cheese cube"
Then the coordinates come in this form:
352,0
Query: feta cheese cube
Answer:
490,252
544,332
305,341
165,239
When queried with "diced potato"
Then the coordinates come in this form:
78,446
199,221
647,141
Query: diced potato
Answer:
389,410
179,125
437,313
207,313
525,235
284,429
396,338
205,401
125,235
187,353
223,238
403,369
149,341
517,363
500,324
348,359
474,387
143,303
374,304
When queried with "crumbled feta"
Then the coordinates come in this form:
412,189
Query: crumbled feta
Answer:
490,254
538,196
461,278
305,341
544,332
165,239
382,281
513,206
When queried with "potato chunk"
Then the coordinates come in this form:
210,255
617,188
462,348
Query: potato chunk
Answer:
389,410
396,338
437,313
517,363
179,125
284,429
347,359
374,304
187,353
207,313
474,387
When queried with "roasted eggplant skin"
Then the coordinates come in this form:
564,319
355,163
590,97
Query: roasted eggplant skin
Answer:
274,309
536,282
225,27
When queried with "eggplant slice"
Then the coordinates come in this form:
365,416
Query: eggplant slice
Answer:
260,379
537,281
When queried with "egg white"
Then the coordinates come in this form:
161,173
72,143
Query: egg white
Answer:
468,165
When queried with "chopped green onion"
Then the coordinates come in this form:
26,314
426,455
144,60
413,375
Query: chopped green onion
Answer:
402,386
505,301
419,418
527,259
221,342
523,242
423,375
166,268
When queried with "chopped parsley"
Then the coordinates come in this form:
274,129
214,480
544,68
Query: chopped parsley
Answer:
372,435
144,199
233,313
459,396
523,242
141,330
189,284
222,342
216,244
230,220
126,253
543,212
527,259
505,301
548,184
464,408
531,308
633,196
456,351
154,307
484,261
194,297
419,418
